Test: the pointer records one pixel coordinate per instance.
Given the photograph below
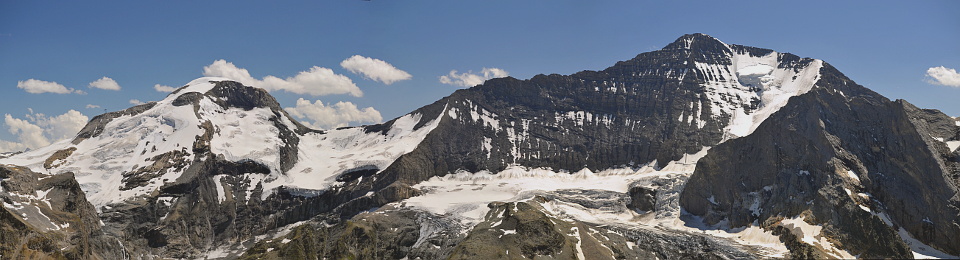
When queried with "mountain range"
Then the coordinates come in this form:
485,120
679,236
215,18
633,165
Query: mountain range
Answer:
699,150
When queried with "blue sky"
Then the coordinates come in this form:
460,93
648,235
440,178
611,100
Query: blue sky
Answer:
886,46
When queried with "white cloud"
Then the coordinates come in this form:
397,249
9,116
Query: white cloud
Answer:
60,127
944,76
39,130
7,146
105,83
337,115
135,102
29,135
374,69
470,79
92,106
35,86
162,88
316,81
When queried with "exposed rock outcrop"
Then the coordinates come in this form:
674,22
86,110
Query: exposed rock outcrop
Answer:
49,217
845,154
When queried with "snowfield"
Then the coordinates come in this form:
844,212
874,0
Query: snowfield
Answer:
322,157
126,144
131,142
734,88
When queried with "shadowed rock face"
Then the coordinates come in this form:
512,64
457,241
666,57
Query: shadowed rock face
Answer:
59,224
624,115
642,199
837,152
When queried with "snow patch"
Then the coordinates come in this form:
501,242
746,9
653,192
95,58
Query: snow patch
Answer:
921,250
221,193
453,113
167,201
200,85
811,234
755,69
952,145
853,175
487,118
576,233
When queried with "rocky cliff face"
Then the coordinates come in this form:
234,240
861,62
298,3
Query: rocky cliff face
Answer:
694,93
843,157
700,150
49,217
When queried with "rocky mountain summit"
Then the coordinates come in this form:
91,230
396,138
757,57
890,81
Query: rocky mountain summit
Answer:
699,150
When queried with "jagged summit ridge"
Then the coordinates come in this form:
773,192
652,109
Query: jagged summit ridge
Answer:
699,42
744,85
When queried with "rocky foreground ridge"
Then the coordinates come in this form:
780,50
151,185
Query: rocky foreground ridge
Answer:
699,150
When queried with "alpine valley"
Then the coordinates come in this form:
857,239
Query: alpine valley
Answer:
701,150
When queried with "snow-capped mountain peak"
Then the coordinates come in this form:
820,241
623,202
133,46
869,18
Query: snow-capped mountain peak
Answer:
199,85
698,42
125,154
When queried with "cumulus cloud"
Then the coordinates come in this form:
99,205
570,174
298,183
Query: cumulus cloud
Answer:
92,106
162,88
7,146
374,69
105,83
943,76
59,127
29,135
470,79
39,130
35,86
337,115
316,81
135,102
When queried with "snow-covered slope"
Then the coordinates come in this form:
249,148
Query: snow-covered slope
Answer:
326,156
747,84
744,83
762,85
138,152
128,143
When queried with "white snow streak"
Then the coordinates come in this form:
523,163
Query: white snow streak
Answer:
811,234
